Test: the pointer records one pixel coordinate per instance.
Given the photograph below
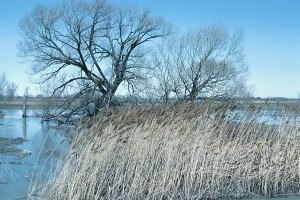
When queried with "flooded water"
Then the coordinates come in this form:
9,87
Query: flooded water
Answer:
19,174
264,116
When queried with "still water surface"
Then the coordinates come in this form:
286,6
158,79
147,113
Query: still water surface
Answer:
21,174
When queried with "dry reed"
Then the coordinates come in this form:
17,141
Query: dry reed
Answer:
178,152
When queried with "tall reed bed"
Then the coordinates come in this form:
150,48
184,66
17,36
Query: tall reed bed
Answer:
182,151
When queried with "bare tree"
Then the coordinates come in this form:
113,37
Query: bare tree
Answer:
162,82
26,92
88,47
11,91
3,85
209,62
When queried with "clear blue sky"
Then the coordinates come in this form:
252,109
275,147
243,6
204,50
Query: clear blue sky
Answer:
271,27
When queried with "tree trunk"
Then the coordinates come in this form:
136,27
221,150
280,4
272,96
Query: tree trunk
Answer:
106,100
193,95
24,106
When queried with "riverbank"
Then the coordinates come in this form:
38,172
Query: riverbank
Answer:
40,103
31,103
177,152
18,103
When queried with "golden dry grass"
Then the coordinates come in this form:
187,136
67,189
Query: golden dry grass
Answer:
177,152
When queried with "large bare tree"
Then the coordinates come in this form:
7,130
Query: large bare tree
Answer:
88,48
209,62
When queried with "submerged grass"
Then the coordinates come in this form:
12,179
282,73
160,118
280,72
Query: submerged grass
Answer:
182,151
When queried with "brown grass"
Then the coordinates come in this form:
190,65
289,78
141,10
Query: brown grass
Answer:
177,152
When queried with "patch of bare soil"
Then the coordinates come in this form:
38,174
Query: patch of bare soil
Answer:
8,146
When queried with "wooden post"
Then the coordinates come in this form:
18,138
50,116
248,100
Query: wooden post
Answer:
24,106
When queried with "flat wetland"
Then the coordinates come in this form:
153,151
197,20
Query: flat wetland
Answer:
18,103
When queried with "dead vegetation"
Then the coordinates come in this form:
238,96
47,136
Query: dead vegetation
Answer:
8,147
177,152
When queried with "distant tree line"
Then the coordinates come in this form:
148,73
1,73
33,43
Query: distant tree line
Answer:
8,90
90,51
